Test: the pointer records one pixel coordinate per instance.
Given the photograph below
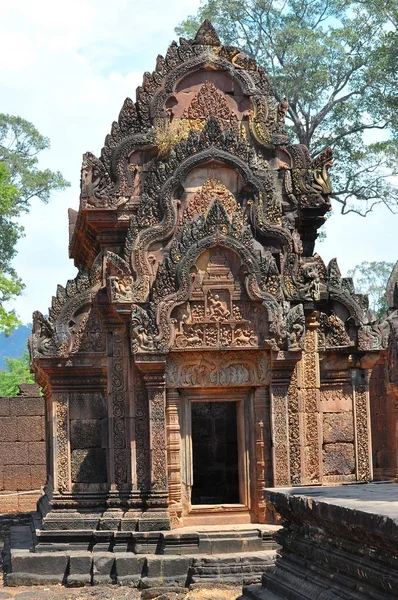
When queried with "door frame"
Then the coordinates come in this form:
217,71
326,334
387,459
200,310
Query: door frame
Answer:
244,401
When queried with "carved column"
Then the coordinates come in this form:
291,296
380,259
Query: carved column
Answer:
363,449
312,424
62,470
118,464
157,515
283,366
262,448
174,456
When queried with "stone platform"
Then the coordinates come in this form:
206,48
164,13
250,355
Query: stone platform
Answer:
337,543
172,559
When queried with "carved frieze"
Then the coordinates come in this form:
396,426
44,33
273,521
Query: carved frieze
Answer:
193,369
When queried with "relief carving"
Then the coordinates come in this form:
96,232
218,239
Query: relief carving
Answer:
62,432
212,370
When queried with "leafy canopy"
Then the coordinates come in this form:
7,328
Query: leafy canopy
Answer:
335,61
371,278
20,181
17,372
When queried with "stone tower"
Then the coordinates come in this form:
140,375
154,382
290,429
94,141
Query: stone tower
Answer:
203,350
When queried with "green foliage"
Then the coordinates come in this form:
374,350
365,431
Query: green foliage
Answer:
20,181
371,278
336,62
17,372
20,144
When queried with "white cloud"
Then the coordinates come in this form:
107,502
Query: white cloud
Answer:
61,70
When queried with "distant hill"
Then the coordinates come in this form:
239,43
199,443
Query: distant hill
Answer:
15,344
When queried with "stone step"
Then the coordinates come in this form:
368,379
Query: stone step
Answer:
77,568
257,592
187,540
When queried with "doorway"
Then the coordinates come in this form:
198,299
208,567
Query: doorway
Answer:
215,462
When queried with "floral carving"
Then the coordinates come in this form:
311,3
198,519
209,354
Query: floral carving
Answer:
210,102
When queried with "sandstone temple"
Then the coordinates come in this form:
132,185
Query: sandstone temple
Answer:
204,351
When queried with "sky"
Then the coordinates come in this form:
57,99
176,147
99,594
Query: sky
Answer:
67,68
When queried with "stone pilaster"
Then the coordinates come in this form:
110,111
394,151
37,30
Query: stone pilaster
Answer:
263,457
117,390
157,515
312,423
174,456
282,387
363,449
61,443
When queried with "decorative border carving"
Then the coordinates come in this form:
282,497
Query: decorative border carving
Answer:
208,369
62,442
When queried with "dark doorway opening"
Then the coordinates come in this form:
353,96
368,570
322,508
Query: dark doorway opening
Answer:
215,453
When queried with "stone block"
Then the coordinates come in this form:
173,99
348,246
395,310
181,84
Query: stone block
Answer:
37,475
8,429
8,504
17,477
37,453
170,571
30,429
129,569
338,427
79,569
14,453
87,406
85,433
28,502
4,407
25,407
103,567
89,466
37,569
30,390
338,459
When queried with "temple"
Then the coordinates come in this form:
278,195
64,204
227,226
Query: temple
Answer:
203,352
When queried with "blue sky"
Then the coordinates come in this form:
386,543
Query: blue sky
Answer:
68,67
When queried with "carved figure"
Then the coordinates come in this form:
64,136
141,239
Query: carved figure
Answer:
217,308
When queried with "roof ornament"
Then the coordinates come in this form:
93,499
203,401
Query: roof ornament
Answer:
207,35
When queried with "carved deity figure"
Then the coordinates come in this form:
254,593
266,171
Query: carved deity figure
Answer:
217,308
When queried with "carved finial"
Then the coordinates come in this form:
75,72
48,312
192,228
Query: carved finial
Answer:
207,35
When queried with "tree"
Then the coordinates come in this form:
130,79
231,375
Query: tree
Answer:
17,372
371,278
20,181
335,61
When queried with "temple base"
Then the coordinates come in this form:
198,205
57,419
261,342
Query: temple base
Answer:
180,558
338,543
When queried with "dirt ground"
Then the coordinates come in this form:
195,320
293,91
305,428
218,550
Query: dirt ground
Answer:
106,592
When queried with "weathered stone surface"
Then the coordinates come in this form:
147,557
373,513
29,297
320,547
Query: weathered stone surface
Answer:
129,569
338,459
338,427
337,543
88,465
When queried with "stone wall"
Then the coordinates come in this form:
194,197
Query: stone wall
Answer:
22,449
384,423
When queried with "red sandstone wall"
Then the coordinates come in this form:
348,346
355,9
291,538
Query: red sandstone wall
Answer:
384,425
22,449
